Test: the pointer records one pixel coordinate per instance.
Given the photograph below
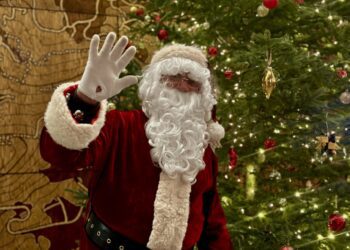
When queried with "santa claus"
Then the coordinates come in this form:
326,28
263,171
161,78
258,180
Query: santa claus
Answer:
152,181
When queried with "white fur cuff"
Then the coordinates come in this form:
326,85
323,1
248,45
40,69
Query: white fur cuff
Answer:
62,127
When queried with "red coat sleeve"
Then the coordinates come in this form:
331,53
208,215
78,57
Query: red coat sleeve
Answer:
70,146
215,234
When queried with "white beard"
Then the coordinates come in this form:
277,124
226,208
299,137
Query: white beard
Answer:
177,132
177,125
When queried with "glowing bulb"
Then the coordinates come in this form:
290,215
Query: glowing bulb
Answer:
297,194
261,215
320,237
331,236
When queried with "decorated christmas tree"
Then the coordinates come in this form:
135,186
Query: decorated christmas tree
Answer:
281,70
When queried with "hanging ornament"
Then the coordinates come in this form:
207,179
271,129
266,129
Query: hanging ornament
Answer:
212,51
327,144
286,248
269,143
308,184
299,1
133,9
345,97
140,12
157,18
147,18
342,73
250,181
336,222
163,34
228,74
262,11
275,175
226,201
269,79
206,25
270,4
233,158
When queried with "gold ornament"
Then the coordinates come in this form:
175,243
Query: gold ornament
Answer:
327,144
262,11
269,79
133,9
250,181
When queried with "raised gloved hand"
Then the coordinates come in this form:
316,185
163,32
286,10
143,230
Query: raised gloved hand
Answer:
100,79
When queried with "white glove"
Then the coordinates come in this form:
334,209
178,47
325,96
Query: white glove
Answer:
100,79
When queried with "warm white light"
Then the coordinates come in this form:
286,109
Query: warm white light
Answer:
331,236
261,215
297,194
320,237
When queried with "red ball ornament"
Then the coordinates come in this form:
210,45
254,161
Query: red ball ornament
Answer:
228,74
286,248
269,143
163,34
342,73
336,222
157,18
212,51
140,12
299,1
233,158
270,4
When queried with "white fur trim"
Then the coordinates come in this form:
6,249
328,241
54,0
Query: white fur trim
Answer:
179,50
171,211
62,127
216,133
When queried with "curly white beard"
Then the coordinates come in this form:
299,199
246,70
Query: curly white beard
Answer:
177,128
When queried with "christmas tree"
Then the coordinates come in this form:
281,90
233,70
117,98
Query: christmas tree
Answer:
281,70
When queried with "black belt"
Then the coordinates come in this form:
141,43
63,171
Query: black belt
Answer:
105,238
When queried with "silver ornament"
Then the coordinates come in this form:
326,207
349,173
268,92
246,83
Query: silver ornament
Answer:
345,97
275,175
262,11
308,184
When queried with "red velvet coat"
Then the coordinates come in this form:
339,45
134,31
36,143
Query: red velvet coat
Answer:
123,183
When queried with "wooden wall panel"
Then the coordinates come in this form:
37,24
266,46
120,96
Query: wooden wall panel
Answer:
42,43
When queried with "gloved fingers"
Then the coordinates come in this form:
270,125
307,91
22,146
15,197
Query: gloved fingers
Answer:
93,50
125,82
118,48
125,59
108,44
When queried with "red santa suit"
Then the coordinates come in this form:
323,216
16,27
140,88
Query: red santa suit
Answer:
123,179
